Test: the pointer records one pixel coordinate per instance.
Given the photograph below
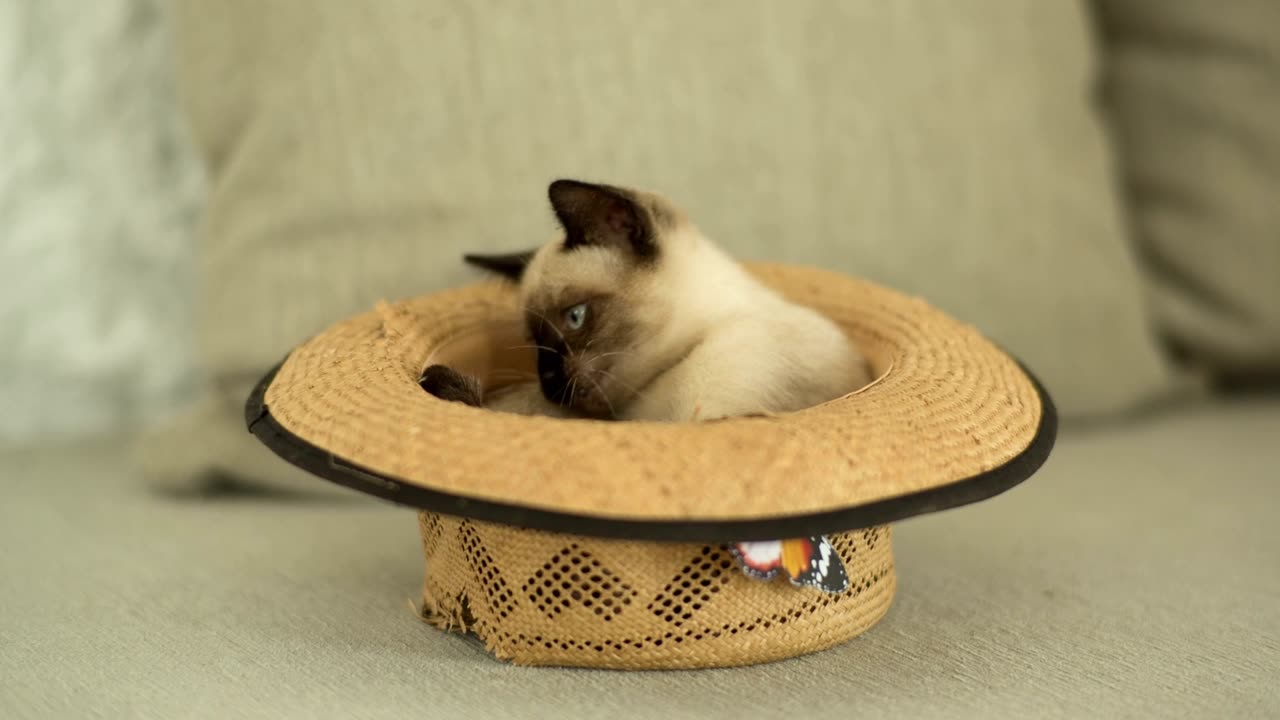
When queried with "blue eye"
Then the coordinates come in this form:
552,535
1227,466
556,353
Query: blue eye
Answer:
576,316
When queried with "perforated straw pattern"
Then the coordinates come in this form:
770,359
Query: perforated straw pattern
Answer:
538,598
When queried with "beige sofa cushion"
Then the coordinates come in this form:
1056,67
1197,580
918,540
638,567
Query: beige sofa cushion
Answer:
948,149
1135,576
1194,88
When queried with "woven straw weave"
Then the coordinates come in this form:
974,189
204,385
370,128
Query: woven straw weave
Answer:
946,405
538,598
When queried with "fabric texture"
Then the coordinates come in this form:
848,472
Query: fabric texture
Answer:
950,151
1135,576
1194,90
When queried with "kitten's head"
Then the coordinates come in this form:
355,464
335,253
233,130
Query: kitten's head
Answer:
595,300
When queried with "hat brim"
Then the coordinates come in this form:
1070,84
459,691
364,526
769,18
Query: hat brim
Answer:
950,420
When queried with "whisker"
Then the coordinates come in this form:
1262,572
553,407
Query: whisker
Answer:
531,347
568,396
613,414
636,392
512,374
547,322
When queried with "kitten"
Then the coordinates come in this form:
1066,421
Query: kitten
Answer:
636,315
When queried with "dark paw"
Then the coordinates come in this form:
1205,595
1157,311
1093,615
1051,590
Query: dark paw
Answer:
448,384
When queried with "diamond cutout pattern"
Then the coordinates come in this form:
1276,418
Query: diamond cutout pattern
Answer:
573,578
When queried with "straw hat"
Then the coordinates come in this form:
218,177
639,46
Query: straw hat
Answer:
949,420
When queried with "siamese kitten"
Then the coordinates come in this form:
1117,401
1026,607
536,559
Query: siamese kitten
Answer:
635,315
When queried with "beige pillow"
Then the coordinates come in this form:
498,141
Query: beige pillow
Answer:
1194,89
357,149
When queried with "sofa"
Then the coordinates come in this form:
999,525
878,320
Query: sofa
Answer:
1092,184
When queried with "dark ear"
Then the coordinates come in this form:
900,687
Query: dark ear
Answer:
510,266
603,215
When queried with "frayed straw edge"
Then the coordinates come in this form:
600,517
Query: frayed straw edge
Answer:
438,615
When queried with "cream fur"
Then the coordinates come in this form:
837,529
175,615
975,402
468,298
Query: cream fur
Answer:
744,348
706,340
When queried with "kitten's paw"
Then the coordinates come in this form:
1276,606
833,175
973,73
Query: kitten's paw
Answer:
448,384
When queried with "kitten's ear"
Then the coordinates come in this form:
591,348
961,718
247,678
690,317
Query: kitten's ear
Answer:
603,215
510,265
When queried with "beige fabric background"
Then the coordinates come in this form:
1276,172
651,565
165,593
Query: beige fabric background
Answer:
946,149
1134,577
1195,91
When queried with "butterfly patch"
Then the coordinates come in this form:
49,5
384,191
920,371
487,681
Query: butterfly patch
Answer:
810,562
